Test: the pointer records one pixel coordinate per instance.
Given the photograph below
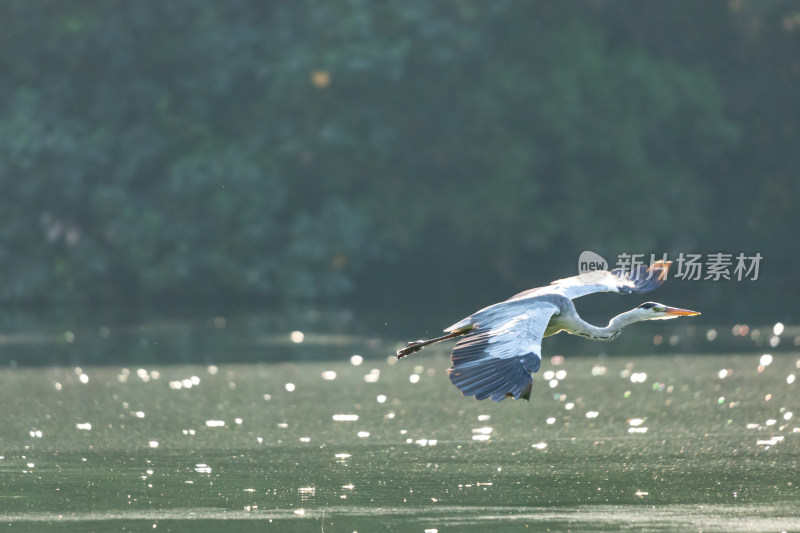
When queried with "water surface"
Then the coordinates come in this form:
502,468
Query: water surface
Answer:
643,443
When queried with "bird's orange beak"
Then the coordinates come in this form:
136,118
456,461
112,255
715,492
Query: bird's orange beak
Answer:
675,311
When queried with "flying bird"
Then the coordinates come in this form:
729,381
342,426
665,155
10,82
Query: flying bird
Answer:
500,346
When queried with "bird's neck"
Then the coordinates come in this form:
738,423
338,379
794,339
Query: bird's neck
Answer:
608,332
625,319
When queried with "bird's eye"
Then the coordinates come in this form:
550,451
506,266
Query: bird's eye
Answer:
658,309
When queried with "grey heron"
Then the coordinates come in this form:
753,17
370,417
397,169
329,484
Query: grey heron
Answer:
500,345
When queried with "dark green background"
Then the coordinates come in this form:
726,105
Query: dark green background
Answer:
391,156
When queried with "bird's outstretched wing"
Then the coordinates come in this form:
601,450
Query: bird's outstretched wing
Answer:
496,359
626,281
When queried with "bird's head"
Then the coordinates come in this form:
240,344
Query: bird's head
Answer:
657,311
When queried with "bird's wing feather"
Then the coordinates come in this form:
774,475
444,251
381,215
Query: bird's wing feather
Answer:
496,359
626,281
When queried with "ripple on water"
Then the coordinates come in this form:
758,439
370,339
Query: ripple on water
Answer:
636,425
482,434
184,383
306,493
768,443
638,377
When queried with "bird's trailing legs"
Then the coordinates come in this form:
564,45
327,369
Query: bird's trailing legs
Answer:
415,346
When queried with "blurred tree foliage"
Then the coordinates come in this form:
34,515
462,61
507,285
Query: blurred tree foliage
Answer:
194,149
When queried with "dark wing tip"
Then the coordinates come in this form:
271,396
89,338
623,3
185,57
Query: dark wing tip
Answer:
526,392
644,278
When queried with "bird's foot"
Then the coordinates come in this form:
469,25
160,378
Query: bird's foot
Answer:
411,347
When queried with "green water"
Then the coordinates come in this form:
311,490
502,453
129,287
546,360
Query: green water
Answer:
668,443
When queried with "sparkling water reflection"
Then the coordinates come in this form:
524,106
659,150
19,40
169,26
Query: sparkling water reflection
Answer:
648,443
